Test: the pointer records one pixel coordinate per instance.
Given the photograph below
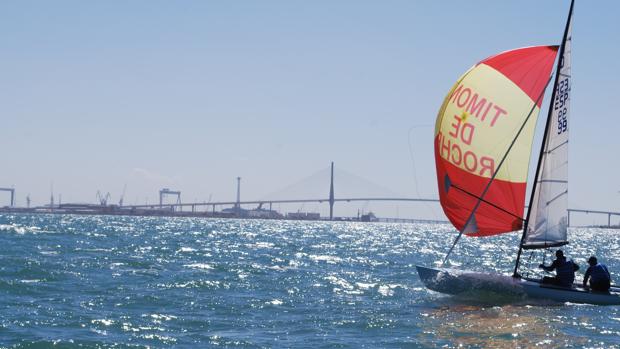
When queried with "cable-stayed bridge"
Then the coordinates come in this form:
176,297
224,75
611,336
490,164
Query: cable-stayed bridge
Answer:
314,197
335,186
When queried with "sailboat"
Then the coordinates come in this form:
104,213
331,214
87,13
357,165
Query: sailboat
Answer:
483,140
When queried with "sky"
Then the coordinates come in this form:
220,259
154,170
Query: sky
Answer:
191,94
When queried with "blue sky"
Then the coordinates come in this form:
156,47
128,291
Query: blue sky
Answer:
191,94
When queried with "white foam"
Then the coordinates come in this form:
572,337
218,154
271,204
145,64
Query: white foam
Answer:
325,258
105,322
203,266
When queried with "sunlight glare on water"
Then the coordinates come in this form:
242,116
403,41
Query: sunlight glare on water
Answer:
157,282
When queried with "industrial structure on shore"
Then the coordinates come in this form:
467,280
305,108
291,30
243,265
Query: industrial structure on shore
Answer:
262,209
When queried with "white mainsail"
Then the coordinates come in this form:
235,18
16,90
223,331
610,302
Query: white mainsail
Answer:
548,220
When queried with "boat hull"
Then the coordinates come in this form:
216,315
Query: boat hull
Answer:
457,282
576,294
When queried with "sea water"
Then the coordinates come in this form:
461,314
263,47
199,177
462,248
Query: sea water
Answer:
73,281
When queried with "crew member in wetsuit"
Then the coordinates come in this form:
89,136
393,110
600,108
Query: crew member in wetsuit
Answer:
564,271
600,279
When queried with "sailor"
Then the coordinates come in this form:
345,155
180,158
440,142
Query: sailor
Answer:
600,280
564,270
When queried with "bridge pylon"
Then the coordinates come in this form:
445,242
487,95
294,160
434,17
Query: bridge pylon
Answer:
331,194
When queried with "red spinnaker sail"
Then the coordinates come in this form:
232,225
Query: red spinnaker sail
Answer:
476,124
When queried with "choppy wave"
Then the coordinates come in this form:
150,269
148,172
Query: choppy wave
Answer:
90,281
19,229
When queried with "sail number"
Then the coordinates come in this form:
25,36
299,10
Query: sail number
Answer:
561,104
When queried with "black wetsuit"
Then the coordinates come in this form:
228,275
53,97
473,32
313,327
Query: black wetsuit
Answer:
599,276
565,272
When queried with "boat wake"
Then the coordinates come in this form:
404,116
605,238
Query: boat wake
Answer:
475,286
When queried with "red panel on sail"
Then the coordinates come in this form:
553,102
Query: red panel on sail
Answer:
527,67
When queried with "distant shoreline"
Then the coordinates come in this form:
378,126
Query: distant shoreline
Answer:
95,210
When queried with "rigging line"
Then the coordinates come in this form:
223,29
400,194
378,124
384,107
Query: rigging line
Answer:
415,174
556,197
487,202
529,261
556,147
499,166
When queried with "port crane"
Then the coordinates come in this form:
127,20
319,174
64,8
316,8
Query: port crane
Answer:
166,191
103,199
12,191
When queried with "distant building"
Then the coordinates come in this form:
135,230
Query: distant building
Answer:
255,213
236,212
369,217
303,215
263,213
313,215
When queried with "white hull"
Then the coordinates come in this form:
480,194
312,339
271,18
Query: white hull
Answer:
458,282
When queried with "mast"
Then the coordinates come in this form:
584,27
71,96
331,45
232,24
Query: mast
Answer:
545,134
